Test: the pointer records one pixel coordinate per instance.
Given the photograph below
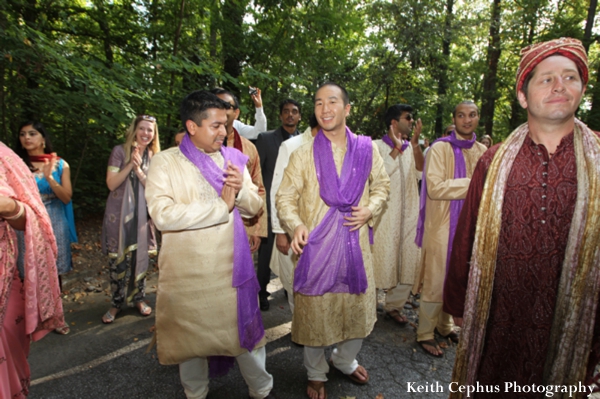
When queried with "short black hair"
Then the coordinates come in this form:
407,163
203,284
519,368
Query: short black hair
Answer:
22,152
313,122
395,112
195,105
345,96
219,90
466,102
289,101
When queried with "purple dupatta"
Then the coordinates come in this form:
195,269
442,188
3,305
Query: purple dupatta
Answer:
332,259
386,139
250,325
460,171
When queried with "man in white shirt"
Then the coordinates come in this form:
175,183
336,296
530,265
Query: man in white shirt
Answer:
248,131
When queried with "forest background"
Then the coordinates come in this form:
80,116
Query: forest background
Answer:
86,67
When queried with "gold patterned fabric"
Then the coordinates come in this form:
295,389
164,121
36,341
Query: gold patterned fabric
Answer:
196,305
442,187
330,318
395,255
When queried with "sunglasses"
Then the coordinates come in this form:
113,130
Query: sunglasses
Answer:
408,118
148,118
229,105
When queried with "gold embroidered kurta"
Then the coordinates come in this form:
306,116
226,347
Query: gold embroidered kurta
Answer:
196,305
330,318
442,187
395,255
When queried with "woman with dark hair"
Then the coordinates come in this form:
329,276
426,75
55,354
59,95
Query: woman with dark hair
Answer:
128,235
30,305
53,177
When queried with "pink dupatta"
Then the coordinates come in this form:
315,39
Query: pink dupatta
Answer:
43,305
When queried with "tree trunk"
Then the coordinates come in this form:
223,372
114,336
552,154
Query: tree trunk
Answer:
587,35
175,46
443,69
232,40
103,24
489,84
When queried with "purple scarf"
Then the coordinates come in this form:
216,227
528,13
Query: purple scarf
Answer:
386,139
250,326
332,259
460,171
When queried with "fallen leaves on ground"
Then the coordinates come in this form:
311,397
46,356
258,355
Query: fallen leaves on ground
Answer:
379,396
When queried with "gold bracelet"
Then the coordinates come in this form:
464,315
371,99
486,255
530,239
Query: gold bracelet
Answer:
20,212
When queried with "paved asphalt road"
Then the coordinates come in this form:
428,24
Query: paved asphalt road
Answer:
98,361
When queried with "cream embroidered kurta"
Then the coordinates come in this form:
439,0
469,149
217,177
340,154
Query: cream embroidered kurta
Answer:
196,306
395,255
441,188
330,318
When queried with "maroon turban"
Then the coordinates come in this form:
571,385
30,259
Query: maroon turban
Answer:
532,55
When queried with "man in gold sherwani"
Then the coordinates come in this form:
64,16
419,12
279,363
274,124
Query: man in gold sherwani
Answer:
334,289
207,298
449,165
396,257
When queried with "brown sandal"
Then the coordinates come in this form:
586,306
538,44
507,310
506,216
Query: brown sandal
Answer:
316,386
353,377
453,336
397,317
432,343
357,379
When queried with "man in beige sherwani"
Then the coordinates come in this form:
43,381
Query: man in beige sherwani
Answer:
441,188
395,255
199,213
330,306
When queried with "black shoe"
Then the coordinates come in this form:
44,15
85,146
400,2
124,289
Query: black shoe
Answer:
264,303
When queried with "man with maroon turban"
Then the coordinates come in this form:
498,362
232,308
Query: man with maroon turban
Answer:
524,273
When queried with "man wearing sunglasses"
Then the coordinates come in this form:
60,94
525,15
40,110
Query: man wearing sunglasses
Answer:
395,254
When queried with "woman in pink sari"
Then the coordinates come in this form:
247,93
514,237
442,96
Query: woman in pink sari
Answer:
29,308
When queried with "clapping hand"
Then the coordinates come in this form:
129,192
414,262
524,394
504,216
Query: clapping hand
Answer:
136,158
49,166
233,178
416,133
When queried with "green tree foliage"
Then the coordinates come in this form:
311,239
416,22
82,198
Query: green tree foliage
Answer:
85,68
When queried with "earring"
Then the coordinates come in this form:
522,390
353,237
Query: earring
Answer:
44,144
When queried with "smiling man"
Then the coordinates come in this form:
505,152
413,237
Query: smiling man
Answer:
331,193
525,274
448,169
207,298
